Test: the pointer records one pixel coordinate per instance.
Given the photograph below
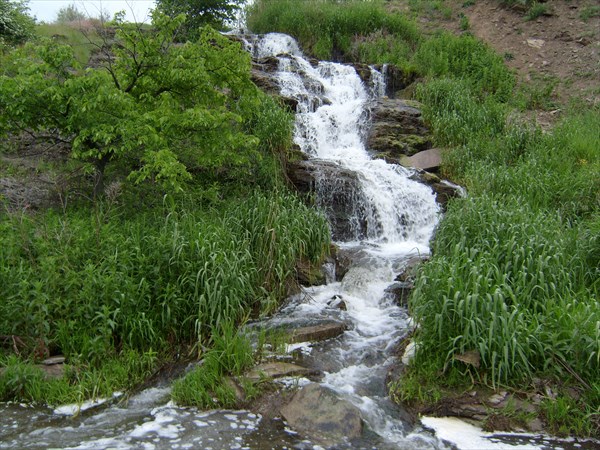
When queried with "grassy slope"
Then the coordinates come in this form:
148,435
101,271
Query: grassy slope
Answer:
515,274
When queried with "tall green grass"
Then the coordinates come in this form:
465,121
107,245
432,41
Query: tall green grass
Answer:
330,29
92,284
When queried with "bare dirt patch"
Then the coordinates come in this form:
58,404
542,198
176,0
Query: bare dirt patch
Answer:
559,47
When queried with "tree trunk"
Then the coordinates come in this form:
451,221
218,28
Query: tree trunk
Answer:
100,165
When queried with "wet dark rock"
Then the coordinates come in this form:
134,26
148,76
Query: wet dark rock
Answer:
400,292
396,79
314,333
337,302
340,195
409,270
444,190
278,370
320,415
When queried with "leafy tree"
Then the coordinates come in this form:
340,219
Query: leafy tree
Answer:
201,12
16,26
162,111
69,14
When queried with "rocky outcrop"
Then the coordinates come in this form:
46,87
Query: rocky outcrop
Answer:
444,190
339,193
321,416
397,129
396,79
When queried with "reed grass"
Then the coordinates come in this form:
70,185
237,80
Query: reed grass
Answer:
94,284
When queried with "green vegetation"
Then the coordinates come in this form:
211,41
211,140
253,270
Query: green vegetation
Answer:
94,284
336,30
515,273
536,10
190,229
16,26
68,14
215,13
158,110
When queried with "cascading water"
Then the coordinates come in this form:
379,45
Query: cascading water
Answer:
390,219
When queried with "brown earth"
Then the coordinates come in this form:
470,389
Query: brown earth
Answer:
557,52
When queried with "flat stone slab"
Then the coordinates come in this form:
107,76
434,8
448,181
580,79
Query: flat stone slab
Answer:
426,160
316,333
278,370
318,413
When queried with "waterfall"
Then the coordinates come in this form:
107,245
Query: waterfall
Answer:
332,121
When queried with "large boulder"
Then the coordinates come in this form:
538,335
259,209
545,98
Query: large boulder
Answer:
317,413
397,129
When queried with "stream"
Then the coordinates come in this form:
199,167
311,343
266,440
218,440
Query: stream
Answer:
390,220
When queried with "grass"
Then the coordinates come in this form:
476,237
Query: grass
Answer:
328,30
95,284
82,37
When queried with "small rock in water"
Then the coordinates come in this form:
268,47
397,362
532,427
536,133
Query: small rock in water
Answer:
277,370
337,302
317,332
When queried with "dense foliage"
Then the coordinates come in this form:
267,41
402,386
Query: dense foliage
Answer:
216,13
16,26
158,110
106,281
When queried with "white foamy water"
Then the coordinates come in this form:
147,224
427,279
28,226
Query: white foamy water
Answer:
393,218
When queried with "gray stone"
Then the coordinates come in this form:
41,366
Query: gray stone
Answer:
278,370
52,372
397,129
399,292
317,413
54,360
320,332
427,159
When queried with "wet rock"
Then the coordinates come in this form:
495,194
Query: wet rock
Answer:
400,292
320,415
315,333
340,195
397,129
444,189
278,370
338,303
409,269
